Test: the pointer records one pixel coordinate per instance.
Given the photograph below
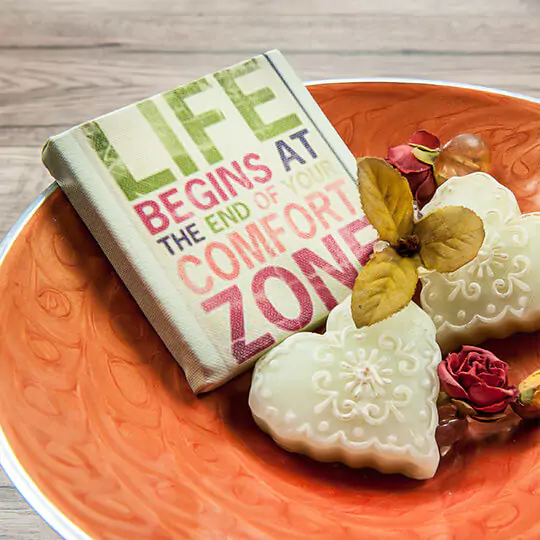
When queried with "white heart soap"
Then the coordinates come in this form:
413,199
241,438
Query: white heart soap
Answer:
364,397
497,293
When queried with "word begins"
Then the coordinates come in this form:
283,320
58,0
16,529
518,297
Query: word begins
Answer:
218,185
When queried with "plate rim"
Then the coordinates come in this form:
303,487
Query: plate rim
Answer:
13,469
22,481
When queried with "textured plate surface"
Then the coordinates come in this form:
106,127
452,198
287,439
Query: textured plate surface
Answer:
103,422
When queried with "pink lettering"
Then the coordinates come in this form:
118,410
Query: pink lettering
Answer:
213,180
181,267
215,267
273,232
224,175
337,188
250,166
257,241
208,199
312,226
323,209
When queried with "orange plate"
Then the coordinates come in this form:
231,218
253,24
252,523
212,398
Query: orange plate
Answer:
101,418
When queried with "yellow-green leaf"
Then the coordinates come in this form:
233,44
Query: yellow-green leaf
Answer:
386,198
425,155
449,238
383,287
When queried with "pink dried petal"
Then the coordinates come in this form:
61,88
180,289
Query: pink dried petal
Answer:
403,159
493,408
482,395
449,384
468,379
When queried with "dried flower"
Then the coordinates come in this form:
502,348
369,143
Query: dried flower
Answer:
477,383
444,240
414,161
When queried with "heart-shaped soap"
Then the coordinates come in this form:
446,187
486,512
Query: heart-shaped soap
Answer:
365,397
498,292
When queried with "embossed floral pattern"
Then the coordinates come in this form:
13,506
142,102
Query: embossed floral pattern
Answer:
362,396
364,385
366,376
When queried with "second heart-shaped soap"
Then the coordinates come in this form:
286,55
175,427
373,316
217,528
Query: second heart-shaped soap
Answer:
364,397
498,292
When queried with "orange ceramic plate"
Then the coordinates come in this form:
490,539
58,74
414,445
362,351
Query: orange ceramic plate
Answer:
106,439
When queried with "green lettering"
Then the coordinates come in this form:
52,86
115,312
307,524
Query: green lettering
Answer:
195,125
113,162
211,221
246,103
167,137
227,215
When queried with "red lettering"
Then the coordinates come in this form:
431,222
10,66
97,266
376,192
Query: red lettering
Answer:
308,261
240,349
152,217
208,198
217,187
172,207
224,175
268,309
250,166
362,252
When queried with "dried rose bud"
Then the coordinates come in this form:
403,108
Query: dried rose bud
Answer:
477,383
418,173
528,401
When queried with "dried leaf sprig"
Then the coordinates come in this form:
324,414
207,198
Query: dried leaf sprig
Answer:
444,240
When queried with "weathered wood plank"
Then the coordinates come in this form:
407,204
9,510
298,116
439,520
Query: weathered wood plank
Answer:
44,92
298,7
17,519
22,178
313,33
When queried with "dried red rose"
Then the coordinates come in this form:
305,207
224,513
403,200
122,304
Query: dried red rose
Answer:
477,380
419,174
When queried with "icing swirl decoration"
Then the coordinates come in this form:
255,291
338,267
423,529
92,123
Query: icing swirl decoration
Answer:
362,396
366,376
498,292
363,386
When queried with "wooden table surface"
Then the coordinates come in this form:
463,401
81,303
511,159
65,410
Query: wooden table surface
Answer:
65,61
